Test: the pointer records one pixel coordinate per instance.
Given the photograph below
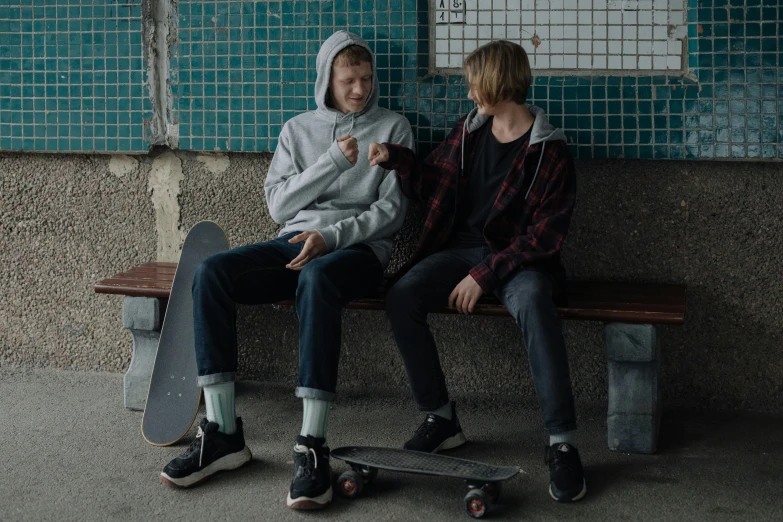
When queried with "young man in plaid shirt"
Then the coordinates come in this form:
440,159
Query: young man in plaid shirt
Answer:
499,193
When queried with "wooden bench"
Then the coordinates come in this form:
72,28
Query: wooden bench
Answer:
632,313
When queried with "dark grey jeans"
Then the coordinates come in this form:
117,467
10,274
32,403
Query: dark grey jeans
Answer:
528,295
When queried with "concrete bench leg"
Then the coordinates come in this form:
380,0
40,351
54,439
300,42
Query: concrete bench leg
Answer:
633,419
142,316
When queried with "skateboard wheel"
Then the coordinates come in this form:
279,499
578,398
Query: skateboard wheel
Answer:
350,484
477,503
492,489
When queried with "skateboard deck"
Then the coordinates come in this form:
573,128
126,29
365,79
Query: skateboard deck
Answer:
483,480
174,395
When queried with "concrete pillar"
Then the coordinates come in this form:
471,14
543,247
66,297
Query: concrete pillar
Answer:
143,317
633,418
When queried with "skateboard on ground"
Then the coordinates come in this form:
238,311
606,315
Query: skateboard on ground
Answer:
174,395
482,480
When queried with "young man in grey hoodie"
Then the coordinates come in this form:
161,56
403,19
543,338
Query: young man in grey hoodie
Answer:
339,214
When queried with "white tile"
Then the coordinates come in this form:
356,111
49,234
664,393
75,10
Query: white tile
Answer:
441,17
599,17
584,47
659,63
599,62
543,32
527,18
645,32
556,17
544,48
569,61
455,60
542,61
676,17
629,17
556,62
585,32
645,62
457,17
485,5
615,47
527,31
599,32
660,32
442,60
470,46
674,47
483,42
585,17
471,32
441,32
629,47
527,45
556,32
441,46
557,4
569,31
556,46
645,17
569,17
569,46
499,32
599,4
471,18
599,47
512,32
585,61
584,4
660,18
542,17
485,31
629,32
442,5
660,48
513,17
456,31
614,17
645,47
528,5
455,46
676,4
629,62
615,32
498,17
499,5
512,5
674,63
485,17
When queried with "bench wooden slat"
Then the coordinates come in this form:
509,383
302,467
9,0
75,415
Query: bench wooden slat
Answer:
647,303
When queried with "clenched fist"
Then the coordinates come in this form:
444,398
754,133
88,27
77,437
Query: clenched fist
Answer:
350,148
378,154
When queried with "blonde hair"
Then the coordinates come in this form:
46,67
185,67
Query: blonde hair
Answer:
352,55
499,71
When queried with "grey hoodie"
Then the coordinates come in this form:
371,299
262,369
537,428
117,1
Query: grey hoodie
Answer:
311,185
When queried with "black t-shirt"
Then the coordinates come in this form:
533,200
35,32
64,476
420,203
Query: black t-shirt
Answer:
491,165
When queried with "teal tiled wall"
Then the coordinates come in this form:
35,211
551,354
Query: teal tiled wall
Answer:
71,76
241,69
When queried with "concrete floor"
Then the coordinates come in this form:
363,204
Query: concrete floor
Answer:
70,451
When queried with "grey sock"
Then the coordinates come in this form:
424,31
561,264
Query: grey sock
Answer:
444,411
566,437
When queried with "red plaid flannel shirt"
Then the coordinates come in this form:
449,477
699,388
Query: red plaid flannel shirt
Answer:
522,234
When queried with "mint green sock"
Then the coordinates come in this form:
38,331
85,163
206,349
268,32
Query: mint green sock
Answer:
315,417
221,406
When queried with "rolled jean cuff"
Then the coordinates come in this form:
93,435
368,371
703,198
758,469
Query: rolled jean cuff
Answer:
312,393
431,406
560,429
216,378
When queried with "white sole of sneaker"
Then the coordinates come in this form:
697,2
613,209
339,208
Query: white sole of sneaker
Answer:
451,443
321,501
229,462
578,497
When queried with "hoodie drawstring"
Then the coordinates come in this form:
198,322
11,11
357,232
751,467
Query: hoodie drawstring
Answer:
334,127
543,146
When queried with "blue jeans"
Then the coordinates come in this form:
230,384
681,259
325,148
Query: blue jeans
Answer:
528,295
256,274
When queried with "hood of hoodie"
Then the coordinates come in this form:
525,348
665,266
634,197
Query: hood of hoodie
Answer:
542,129
323,63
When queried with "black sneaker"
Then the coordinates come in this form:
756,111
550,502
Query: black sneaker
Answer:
437,434
211,451
566,477
312,484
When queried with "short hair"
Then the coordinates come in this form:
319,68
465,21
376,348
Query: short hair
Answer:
499,71
353,55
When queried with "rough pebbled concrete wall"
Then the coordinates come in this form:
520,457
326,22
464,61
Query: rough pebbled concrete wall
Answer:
714,226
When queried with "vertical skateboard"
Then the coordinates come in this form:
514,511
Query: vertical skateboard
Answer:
174,395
